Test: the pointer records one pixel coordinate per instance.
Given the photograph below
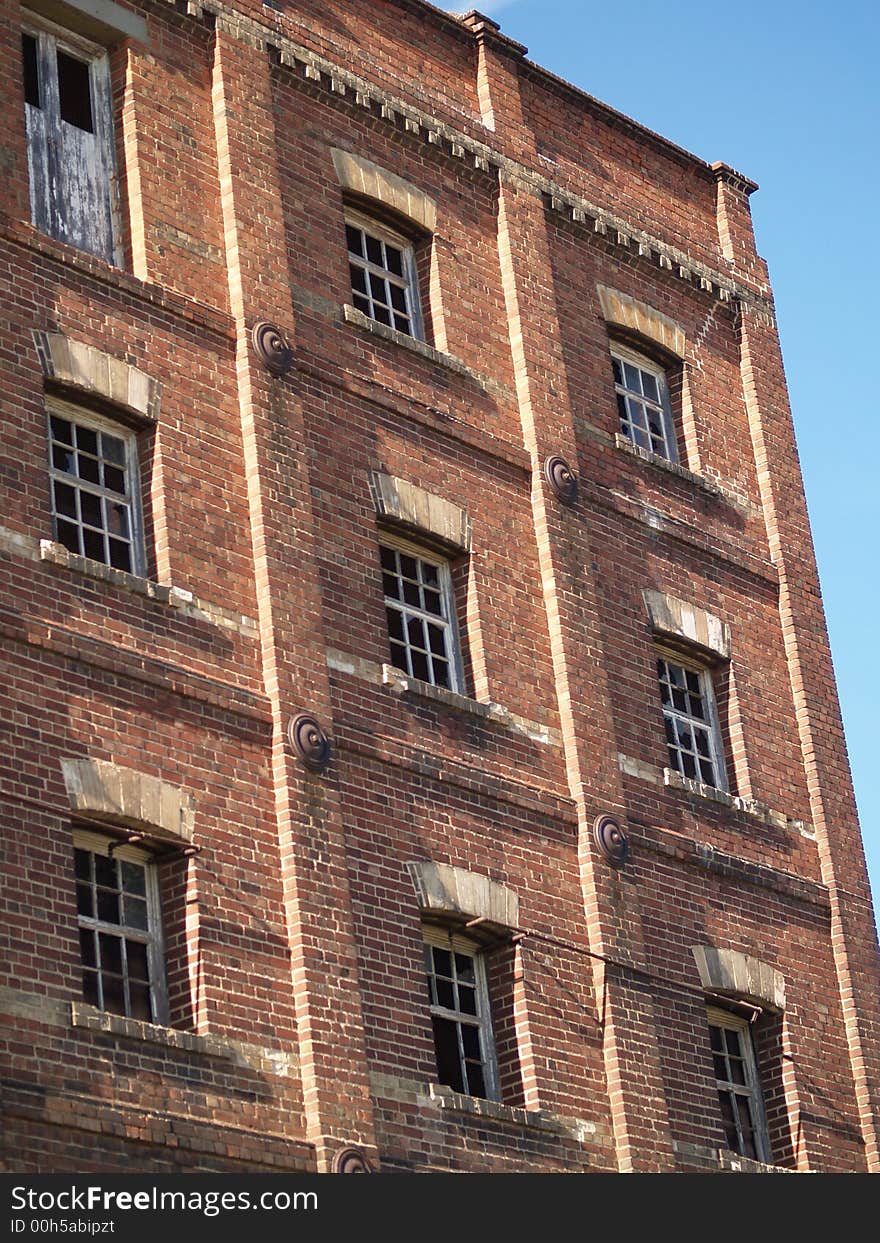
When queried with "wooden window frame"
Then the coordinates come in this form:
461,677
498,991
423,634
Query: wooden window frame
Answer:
98,844
711,724
84,417
50,211
372,227
751,1090
422,552
448,939
626,354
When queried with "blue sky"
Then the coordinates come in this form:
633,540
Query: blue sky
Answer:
788,93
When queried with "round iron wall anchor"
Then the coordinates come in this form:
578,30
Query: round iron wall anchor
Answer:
309,741
611,839
272,348
351,1161
562,479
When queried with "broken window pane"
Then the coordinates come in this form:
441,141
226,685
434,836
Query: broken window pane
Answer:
75,92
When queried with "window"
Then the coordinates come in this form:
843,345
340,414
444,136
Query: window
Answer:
383,275
739,1090
117,902
459,1001
690,715
69,139
643,403
94,480
421,616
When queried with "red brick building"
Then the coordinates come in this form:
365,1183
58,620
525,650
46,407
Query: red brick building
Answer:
420,736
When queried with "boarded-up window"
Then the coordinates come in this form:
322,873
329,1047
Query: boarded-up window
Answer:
70,148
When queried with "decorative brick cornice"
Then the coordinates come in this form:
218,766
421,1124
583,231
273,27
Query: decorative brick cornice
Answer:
323,74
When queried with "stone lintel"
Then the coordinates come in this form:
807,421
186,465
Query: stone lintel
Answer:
398,501
444,890
121,796
625,312
739,975
688,623
365,178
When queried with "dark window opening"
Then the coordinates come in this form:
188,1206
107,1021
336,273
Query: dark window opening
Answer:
75,92
31,71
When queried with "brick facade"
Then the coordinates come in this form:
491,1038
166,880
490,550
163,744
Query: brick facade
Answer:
154,707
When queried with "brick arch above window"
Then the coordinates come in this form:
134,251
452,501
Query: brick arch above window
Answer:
103,791
442,890
367,180
642,320
739,975
90,370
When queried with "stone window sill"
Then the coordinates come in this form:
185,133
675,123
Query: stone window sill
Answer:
173,597
352,315
401,683
661,463
534,1119
92,1019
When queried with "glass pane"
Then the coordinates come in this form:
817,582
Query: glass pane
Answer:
105,871
394,259
65,499
395,624
433,602
114,994
737,1071
117,519
108,906
445,994
374,250
649,387
358,279
631,377
85,900
402,324
377,288
707,772
93,545
141,1005
135,912
68,535
136,953
114,479
64,458
720,1067
354,238
430,573
446,1048
75,92
467,1000
81,864
134,878
688,767
113,449
476,1081
89,468
470,1038
728,1121
382,314
388,559
61,429
87,440
87,947
90,988
414,632
442,962
437,640
420,666
746,1128
391,586
361,303
120,555
398,298
111,953
441,673
90,508
411,593
398,657
408,566
464,966
618,371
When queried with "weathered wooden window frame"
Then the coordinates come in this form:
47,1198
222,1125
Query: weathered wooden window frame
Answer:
96,843
51,210
448,622
710,724
622,354
379,232
447,939
751,1090
83,417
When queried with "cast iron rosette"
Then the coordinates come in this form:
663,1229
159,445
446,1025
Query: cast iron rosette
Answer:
351,1161
611,839
272,348
309,741
561,478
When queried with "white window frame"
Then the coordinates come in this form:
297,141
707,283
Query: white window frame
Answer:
624,354
410,283
447,939
49,198
99,844
752,1089
82,416
410,548
711,725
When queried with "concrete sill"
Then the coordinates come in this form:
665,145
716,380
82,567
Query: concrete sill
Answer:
352,315
534,1119
92,1019
173,597
749,806
401,683
671,468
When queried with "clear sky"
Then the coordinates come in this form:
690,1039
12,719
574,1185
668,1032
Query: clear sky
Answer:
787,91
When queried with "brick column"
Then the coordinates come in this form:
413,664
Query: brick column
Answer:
854,937
611,902
323,951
